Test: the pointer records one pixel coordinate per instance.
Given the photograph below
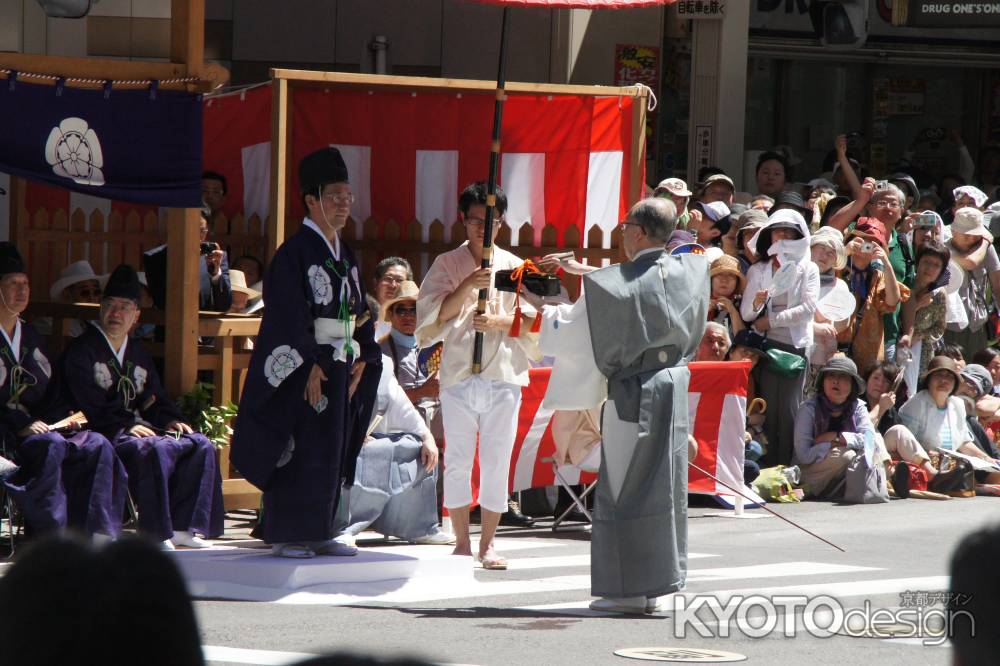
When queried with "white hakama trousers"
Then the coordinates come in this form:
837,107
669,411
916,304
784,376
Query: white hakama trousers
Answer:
485,409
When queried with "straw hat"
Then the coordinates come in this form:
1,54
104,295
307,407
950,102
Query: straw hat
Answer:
727,265
408,291
834,239
78,271
238,282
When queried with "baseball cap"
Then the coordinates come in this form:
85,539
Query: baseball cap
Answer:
674,186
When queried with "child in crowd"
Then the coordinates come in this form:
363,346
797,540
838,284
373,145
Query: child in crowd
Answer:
727,291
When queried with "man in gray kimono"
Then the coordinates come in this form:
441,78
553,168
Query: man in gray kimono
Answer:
645,319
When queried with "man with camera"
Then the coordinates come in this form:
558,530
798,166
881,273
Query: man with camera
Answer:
483,405
215,292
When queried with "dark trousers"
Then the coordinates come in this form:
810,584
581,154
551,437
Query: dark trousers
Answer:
77,483
175,483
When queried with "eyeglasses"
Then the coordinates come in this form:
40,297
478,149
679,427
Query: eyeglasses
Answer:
118,306
405,312
891,205
480,222
626,223
339,198
393,279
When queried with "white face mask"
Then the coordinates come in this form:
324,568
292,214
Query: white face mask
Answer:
790,250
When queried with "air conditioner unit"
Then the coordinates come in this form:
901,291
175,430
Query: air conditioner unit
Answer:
67,8
840,24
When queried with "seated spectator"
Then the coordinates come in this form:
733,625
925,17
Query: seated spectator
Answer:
954,352
785,319
242,294
64,481
727,290
253,270
981,408
714,343
971,248
882,396
395,484
989,358
62,600
748,224
389,274
718,187
826,247
876,290
935,418
77,283
925,312
677,191
172,471
772,173
253,276
419,382
831,428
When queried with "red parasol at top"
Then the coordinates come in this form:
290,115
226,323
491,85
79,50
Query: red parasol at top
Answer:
579,4
477,353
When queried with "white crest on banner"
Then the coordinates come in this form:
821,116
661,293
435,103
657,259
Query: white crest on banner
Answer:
74,151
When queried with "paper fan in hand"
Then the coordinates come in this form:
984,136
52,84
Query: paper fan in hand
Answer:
429,360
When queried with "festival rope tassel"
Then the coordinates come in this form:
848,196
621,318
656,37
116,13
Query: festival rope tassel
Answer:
517,275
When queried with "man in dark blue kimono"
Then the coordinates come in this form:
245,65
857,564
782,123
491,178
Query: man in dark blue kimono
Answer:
172,470
74,481
313,375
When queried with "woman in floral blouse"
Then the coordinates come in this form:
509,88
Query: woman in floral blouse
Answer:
924,314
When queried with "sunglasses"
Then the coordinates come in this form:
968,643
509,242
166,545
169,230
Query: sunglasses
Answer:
405,312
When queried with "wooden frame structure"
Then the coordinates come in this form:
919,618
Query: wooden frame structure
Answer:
187,65
285,81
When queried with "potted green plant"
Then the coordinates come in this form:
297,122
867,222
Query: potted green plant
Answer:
213,421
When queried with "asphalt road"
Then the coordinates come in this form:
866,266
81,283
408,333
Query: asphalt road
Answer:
891,549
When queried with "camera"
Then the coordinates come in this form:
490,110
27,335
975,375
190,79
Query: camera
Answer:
881,185
927,219
868,247
540,284
207,247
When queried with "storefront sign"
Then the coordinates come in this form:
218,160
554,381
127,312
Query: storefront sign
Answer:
637,64
701,9
930,14
702,146
906,97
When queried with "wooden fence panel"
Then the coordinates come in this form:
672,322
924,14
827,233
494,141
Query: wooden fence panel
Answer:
53,239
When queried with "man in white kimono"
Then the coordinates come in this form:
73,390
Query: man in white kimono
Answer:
476,408
630,338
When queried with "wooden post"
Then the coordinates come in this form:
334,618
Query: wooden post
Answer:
279,165
187,46
181,353
638,154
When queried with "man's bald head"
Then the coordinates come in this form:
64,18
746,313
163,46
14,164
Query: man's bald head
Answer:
657,217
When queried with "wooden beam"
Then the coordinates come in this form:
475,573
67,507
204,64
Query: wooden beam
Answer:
181,354
187,34
212,76
280,108
383,82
